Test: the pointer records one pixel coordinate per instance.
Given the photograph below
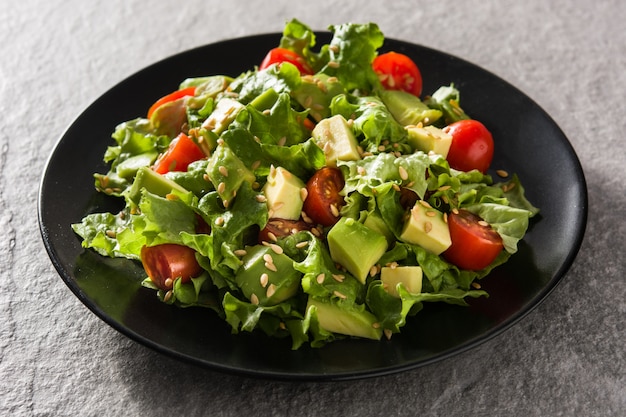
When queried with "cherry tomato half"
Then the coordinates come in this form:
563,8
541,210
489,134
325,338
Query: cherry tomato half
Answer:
169,261
323,201
190,91
472,146
397,71
277,228
179,155
278,55
474,244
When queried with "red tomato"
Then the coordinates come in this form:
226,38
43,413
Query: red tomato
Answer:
169,261
276,228
472,146
190,91
398,72
323,201
179,155
474,245
278,55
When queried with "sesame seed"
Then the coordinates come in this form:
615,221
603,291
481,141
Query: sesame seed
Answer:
483,223
303,194
302,244
316,232
387,333
220,142
267,112
306,218
168,283
334,210
334,48
425,203
219,221
206,177
333,64
381,148
502,173
240,252
268,258
444,187
338,277
223,170
111,233
255,165
455,210
225,203
282,141
445,217
261,198
403,174
376,325
373,270
271,289
271,266
275,248
332,80
221,187
254,299
272,236
476,285
428,226
339,294
308,101
396,187
320,278
361,171
322,87
430,213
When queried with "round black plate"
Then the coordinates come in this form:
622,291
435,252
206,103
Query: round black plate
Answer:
528,143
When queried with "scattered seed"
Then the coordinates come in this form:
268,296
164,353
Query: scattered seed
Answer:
444,188
388,333
168,296
219,221
339,294
428,226
275,248
261,198
206,177
373,270
376,325
334,48
476,285
445,217
271,267
282,141
362,172
272,236
308,101
322,87
316,232
221,187
430,213
483,223
302,244
168,283
455,210
303,194
502,173
332,80
425,203
334,210
255,165
171,197
403,174
223,170
267,112
306,218
271,289
240,252
339,277
254,299
320,278
111,233
333,64
396,187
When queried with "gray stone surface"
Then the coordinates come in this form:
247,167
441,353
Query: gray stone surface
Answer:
567,358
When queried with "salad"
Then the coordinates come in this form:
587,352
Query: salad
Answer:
317,196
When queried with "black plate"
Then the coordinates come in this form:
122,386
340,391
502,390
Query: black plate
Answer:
528,142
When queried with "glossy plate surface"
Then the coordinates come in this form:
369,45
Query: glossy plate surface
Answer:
528,143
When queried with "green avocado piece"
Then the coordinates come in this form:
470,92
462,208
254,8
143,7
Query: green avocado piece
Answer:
283,192
336,138
315,93
375,222
227,172
426,227
347,321
226,110
409,276
153,182
266,276
429,138
355,246
408,109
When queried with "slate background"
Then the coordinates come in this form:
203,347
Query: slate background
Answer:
567,358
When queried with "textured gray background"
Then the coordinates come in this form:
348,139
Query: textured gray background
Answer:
565,359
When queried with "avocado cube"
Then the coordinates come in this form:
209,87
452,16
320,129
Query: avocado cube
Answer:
409,276
427,228
266,277
355,246
283,193
429,138
224,113
153,182
337,139
346,321
408,109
